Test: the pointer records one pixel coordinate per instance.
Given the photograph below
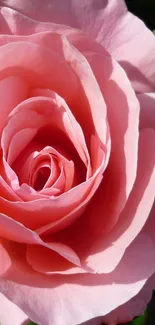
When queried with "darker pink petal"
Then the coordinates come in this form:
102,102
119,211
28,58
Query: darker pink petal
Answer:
5,260
147,110
17,89
47,261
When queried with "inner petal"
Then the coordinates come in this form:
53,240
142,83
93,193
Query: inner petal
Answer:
41,178
44,170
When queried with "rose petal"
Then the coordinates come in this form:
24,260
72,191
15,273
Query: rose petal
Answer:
136,211
47,261
17,89
70,218
133,308
18,143
15,231
147,110
49,11
48,111
50,302
35,69
123,117
90,97
103,251
128,311
71,126
53,208
5,261
108,22
10,314
81,69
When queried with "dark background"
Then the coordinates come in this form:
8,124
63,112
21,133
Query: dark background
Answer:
144,9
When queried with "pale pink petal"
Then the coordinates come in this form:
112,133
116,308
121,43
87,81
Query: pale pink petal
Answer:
147,110
123,118
138,63
35,67
15,231
54,299
108,22
133,308
90,109
103,251
128,311
136,211
10,314
107,69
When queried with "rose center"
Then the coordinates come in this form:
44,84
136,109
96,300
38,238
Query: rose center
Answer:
41,178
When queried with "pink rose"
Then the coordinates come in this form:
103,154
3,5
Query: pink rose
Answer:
77,174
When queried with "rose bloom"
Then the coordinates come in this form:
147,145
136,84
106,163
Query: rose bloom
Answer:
77,162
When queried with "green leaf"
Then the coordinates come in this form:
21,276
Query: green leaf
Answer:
141,320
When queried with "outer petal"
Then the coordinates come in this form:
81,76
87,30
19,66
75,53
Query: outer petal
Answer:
126,312
133,308
105,253
58,11
10,314
56,299
123,117
149,228
147,110
108,22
